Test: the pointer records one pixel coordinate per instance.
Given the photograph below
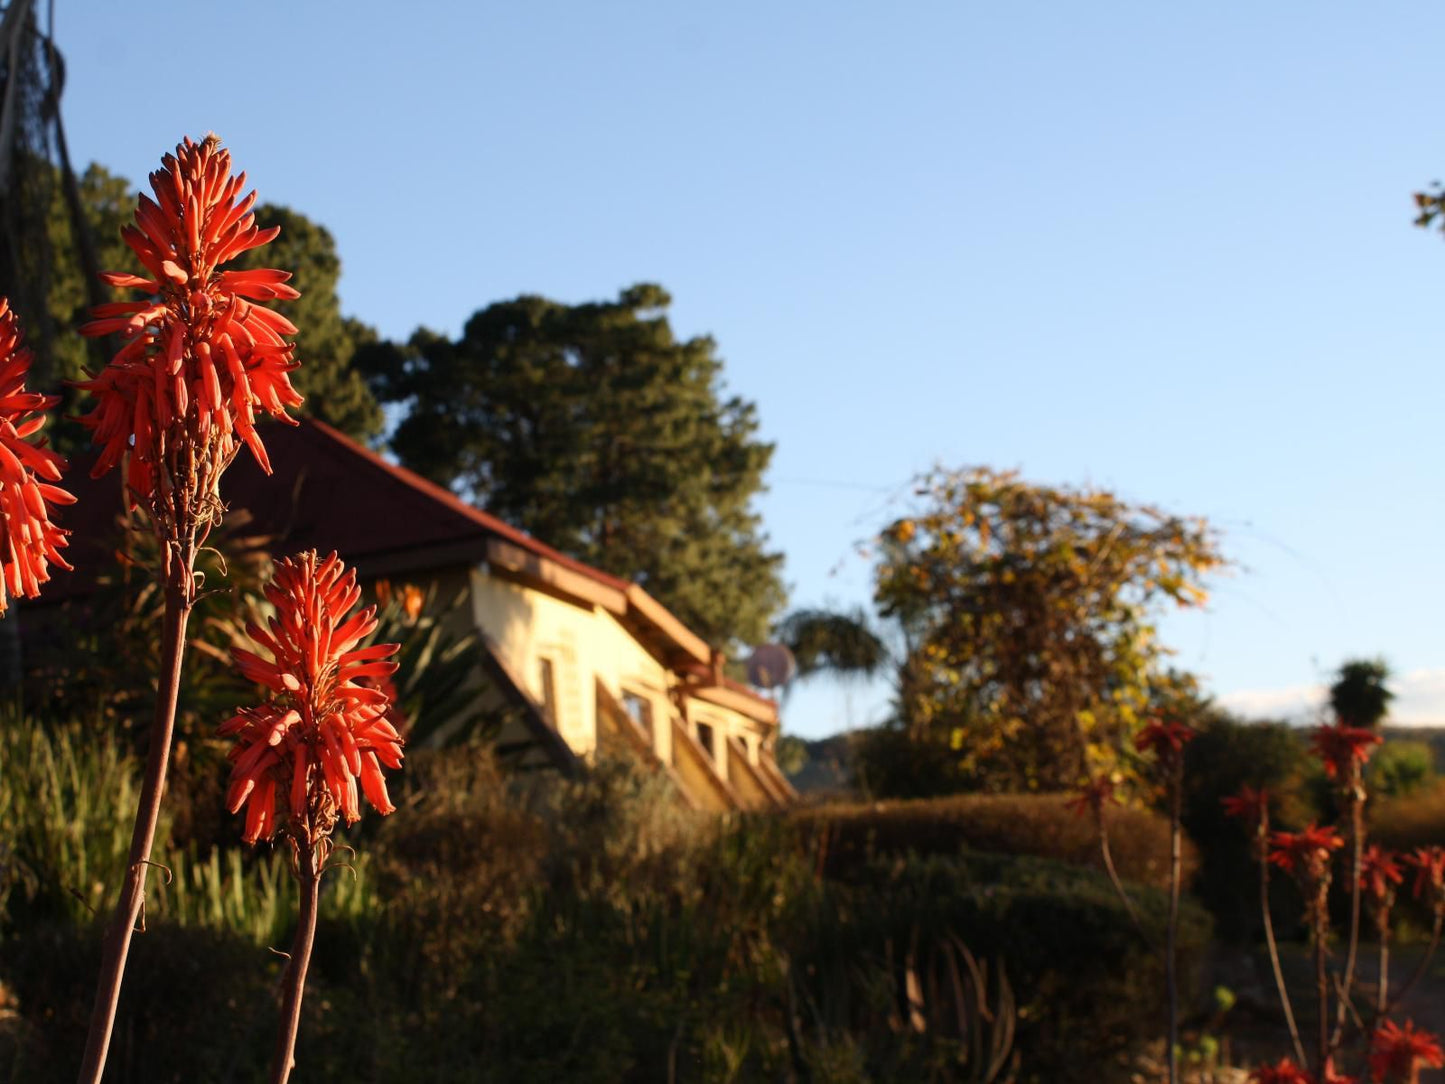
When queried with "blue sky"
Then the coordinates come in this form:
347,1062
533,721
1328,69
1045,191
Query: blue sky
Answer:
1161,250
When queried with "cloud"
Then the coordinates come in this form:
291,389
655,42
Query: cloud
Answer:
1296,703
1419,700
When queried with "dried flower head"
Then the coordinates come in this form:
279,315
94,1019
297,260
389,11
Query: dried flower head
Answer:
30,541
1092,797
1164,740
1284,1071
1248,805
326,728
1396,1052
1429,863
1305,853
1344,749
1379,874
200,357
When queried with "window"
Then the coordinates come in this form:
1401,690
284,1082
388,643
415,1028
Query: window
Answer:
639,709
548,678
704,738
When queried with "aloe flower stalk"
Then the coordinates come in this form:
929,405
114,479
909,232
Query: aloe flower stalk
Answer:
200,359
1093,799
300,756
1252,807
1344,749
1166,740
1305,855
1379,874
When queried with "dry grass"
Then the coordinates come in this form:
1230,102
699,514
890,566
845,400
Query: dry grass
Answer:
1022,824
1414,820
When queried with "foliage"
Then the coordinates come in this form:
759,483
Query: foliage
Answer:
436,692
595,429
842,644
1430,206
1087,980
108,202
1027,612
67,797
1401,768
633,939
895,761
791,754
98,656
1359,695
1225,755
1035,825
327,341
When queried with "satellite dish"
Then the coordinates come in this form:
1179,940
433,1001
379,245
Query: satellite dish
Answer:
771,666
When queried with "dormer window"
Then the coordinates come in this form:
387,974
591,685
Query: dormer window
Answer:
639,709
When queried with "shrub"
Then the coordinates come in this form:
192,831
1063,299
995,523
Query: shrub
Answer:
594,931
1401,768
1088,984
1225,755
1041,825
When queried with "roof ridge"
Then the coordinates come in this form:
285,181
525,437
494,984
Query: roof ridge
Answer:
480,517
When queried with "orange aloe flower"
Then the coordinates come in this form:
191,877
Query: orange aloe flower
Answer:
29,541
1396,1052
1163,739
1379,873
1305,853
1092,797
1344,748
200,357
325,730
1429,863
1249,805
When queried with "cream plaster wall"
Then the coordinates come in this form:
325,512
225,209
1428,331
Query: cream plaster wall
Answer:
585,644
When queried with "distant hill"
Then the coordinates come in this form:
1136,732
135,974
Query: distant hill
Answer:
828,772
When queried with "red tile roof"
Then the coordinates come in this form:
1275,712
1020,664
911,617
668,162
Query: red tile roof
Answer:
327,492
330,493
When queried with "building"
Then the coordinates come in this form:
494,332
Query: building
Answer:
589,664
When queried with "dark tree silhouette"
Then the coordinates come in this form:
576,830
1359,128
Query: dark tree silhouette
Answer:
1359,696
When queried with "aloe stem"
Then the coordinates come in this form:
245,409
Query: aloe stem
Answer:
294,981
1269,940
132,896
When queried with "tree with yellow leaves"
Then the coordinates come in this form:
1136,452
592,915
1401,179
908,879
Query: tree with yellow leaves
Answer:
1028,614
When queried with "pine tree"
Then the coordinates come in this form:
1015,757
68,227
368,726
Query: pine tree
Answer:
595,429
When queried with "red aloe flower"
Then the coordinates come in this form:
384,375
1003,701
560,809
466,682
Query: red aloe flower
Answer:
325,729
1284,1072
1397,1051
1163,739
1092,797
1429,863
1344,748
29,541
1379,873
199,357
1304,853
1249,805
